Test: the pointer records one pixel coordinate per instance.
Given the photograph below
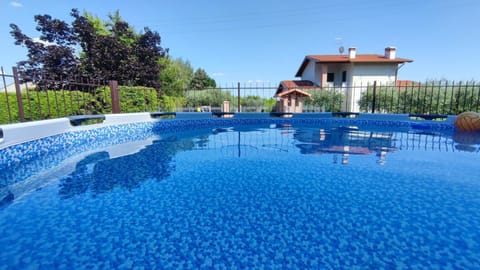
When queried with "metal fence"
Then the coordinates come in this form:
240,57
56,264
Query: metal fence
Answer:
40,97
435,97
440,97
239,98
27,99
255,97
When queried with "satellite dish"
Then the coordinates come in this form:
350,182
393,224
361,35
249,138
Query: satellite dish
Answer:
341,49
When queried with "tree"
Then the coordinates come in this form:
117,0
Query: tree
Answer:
108,50
327,100
53,54
209,97
201,80
176,76
147,51
432,97
119,53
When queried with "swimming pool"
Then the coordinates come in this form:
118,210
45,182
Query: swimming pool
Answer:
244,193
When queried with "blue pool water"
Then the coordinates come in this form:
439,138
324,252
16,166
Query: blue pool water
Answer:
273,196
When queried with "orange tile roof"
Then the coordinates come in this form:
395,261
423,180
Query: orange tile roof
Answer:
341,58
360,58
288,84
297,83
295,91
405,83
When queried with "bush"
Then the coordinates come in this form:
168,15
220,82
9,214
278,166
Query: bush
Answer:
269,104
47,104
208,97
60,103
429,98
216,97
132,99
5,116
170,104
138,99
326,100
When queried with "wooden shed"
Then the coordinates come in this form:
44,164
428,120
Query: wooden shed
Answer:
291,100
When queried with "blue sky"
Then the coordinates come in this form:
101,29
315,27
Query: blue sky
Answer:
266,41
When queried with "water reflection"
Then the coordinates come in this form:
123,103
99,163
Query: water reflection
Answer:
99,172
342,141
345,141
467,141
107,169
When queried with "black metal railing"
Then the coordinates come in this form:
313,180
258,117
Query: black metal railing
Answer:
435,97
41,97
27,99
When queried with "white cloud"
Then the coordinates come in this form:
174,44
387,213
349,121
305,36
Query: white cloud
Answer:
16,4
218,74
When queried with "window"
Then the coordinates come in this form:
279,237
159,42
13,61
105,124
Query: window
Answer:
330,77
344,76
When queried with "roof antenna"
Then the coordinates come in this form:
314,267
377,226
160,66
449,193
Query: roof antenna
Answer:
339,41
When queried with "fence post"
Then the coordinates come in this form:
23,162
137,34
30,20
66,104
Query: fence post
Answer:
115,96
238,99
374,95
18,91
6,94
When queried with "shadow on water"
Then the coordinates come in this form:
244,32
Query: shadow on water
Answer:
99,173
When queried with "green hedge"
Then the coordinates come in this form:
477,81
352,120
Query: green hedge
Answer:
138,99
328,100
208,97
132,99
49,104
45,105
428,98
4,108
215,98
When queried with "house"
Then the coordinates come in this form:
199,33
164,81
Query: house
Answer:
351,73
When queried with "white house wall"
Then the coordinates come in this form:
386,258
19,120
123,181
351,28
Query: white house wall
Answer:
364,74
309,73
313,72
337,69
359,76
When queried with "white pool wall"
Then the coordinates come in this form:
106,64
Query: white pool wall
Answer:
28,131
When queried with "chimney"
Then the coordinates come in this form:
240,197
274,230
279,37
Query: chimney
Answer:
352,53
390,52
